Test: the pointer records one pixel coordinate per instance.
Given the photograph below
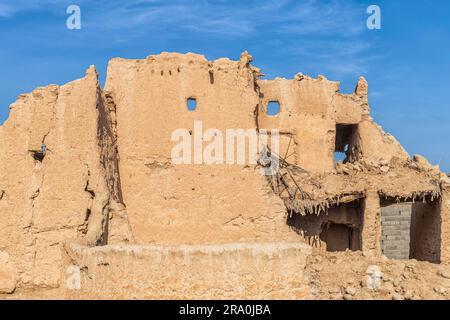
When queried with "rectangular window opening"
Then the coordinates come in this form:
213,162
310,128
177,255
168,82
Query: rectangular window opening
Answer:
38,155
192,104
273,108
346,146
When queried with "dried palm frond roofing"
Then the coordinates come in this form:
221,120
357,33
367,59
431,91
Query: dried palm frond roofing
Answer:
306,193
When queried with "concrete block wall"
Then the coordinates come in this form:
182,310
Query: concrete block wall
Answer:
395,230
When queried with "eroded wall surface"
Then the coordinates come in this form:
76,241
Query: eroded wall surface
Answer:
229,271
426,231
307,114
64,196
87,181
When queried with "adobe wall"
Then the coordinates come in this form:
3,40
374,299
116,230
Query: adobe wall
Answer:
310,227
371,233
187,204
246,271
107,184
445,222
229,271
426,231
311,108
65,196
306,112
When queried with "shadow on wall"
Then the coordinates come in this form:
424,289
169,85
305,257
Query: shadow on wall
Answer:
409,230
425,235
337,230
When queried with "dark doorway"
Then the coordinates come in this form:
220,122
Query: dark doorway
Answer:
338,237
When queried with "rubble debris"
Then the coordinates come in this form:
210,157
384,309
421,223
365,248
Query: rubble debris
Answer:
104,196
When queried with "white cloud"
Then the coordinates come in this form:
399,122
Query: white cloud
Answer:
6,11
297,17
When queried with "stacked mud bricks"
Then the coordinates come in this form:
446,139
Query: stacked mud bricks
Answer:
395,226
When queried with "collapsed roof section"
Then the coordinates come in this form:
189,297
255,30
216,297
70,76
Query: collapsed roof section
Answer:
308,193
106,175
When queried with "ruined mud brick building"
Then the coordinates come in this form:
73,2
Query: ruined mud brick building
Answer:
105,199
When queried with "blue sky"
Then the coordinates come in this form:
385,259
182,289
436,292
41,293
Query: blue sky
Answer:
407,62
